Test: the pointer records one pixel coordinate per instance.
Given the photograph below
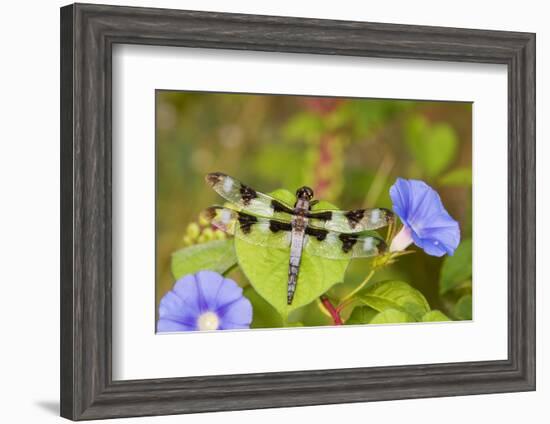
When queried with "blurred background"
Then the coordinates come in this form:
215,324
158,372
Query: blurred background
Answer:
350,151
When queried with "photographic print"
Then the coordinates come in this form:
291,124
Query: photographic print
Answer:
276,211
280,180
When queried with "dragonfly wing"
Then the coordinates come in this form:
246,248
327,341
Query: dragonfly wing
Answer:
252,229
245,198
353,221
343,246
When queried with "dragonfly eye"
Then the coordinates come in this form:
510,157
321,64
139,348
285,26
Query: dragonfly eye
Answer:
304,193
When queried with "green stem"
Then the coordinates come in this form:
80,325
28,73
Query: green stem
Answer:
359,287
345,304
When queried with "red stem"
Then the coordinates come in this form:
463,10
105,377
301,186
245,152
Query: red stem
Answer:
332,310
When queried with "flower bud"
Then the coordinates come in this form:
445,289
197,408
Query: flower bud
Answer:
193,230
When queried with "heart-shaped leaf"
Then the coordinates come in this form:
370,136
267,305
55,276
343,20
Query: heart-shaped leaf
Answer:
396,295
361,315
217,255
435,316
267,269
392,316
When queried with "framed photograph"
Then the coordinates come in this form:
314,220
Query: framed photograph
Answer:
268,211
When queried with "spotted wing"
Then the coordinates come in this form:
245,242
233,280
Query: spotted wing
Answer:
335,245
250,228
277,234
353,221
245,198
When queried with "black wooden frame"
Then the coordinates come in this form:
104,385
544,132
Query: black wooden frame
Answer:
88,33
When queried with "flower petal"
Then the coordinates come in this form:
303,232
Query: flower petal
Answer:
195,296
237,314
174,308
233,326
399,193
429,246
209,284
439,239
423,202
186,289
420,208
167,325
228,293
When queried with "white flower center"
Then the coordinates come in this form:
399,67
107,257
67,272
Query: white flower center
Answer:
208,321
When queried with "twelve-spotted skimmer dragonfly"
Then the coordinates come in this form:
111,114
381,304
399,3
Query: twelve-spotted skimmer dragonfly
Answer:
265,221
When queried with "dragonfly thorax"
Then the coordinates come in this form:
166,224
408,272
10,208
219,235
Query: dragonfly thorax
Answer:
304,193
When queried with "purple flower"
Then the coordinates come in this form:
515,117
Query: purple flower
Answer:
204,301
425,220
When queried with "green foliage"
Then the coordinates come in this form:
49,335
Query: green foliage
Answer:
433,146
463,308
264,316
267,270
310,315
456,269
268,164
392,302
455,283
350,153
457,177
304,127
361,315
435,316
396,295
217,255
392,316
367,117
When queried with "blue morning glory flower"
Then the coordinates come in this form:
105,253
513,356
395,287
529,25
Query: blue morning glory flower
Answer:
204,301
425,220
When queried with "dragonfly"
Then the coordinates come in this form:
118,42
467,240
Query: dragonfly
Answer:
262,220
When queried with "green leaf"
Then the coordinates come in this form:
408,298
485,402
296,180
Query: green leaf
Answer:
432,146
361,315
392,316
284,195
217,255
312,315
457,177
263,314
457,268
267,270
463,308
395,295
435,316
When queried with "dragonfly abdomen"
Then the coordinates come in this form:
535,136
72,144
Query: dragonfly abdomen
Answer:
296,246
292,281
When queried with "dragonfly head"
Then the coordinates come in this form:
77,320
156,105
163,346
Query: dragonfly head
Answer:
304,193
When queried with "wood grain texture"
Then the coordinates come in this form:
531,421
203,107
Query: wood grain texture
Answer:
88,33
